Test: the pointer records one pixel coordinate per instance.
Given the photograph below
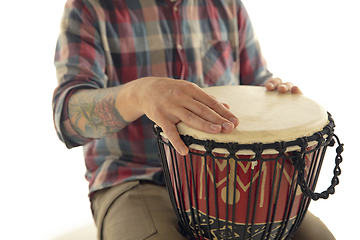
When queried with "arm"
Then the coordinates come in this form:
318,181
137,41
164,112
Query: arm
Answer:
85,107
95,113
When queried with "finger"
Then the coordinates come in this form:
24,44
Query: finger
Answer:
273,83
173,136
213,111
296,90
285,87
212,96
193,120
226,105
217,114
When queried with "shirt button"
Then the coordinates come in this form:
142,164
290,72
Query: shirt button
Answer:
175,8
179,47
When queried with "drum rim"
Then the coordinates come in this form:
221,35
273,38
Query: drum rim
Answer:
322,137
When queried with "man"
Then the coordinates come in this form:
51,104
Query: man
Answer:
122,64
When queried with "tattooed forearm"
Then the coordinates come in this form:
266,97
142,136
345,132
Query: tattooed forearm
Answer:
93,113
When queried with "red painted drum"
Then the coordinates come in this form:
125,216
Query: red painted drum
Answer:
256,182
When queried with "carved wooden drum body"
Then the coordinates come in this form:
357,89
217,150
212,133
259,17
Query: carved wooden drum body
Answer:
256,182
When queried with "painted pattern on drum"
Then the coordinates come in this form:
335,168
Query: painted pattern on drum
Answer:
220,230
246,176
221,187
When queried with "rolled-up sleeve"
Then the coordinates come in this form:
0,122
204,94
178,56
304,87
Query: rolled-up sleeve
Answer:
79,63
253,67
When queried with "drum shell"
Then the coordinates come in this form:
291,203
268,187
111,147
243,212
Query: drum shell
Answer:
241,197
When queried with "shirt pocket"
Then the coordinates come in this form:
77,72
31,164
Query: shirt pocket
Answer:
218,62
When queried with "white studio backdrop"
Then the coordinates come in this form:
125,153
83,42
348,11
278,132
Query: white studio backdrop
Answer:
314,44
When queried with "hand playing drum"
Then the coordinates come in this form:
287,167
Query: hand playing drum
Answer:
167,102
277,84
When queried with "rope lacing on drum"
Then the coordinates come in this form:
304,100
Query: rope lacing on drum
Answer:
299,164
156,130
304,144
209,146
258,150
187,140
232,148
321,139
281,148
331,120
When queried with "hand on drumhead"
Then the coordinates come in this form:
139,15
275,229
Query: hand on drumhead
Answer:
167,102
277,84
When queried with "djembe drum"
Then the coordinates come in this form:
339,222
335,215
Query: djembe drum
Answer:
256,182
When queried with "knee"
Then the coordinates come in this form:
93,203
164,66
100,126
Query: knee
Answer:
312,228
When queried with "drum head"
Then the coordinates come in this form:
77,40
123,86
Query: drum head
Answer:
265,116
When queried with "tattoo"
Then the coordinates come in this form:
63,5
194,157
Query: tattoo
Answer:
93,113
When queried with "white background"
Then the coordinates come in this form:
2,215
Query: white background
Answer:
314,44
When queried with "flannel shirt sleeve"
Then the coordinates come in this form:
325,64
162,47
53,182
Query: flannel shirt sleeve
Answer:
253,67
79,62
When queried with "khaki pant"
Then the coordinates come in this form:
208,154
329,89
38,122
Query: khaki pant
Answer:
140,210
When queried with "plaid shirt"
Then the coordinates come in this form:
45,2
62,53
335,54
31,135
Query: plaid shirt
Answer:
105,43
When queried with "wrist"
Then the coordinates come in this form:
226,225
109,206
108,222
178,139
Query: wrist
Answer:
130,99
